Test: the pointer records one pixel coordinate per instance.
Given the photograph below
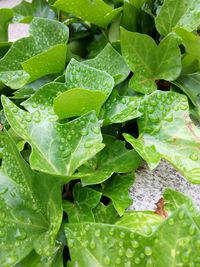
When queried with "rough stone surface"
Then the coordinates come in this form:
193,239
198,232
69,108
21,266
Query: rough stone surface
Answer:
149,185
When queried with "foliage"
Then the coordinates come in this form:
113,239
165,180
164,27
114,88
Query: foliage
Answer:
96,88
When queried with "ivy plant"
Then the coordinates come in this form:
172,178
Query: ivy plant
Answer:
95,90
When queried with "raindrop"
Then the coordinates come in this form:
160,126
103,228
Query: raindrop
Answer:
129,253
122,235
137,261
192,230
70,243
106,260
147,251
171,221
2,234
111,232
194,157
4,190
92,244
118,261
97,233
20,234
84,132
120,252
96,130
135,244
181,215
69,137
105,240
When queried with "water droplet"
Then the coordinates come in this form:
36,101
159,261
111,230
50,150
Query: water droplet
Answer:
129,253
194,157
92,244
20,234
98,233
4,190
111,232
153,102
84,132
122,235
147,251
132,235
181,215
183,107
135,244
2,234
106,260
123,100
96,130
142,255
70,243
120,252
105,240
171,221
69,137
118,261
62,148
192,230
137,260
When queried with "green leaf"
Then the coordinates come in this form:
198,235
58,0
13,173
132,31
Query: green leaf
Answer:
166,131
105,214
113,245
27,58
142,222
6,15
119,109
31,210
89,90
115,157
35,260
181,13
148,61
25,12
57,149
117,189
85,199
94,11
112,62
189,84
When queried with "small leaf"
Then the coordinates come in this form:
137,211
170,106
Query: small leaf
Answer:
57,149
94,11
89,90
166,131
24,12
31,211
115,157
6,16
180,13
148,61
27,58
112,62
105,214
85,199
117,189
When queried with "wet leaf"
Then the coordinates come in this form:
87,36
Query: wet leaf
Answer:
148,61
6,16
181,13
31,211
94,11
57,149
27,58
166,131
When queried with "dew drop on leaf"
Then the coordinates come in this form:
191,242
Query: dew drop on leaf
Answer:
106,260
135,244
2,233
97,233
194,157
4,190
171,221
137,260
92,244
192,230
129,253
120,252
122,235
147,251
118,261
20,234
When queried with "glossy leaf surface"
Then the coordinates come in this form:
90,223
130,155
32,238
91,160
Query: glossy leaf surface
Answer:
22,197
148,61
166,131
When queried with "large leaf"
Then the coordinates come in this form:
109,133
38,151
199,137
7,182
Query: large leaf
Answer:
166,131
112,245
5,17
189,84
115,157
179,13
24,12
117,189
90,88
57,149
148,61
85,199
44,52
118,109
31,210
112,62
94,11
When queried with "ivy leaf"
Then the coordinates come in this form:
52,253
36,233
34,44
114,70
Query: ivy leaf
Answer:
181,13
57,149
25,12
89,90
148,61
31,210
95,11
115,157
105,214
85,199
142,222
166,131
117,189
27,59
113,245
189,84
118,109
6,15
35,260
112,62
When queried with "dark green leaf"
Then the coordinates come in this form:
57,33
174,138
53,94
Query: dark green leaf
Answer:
5,17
